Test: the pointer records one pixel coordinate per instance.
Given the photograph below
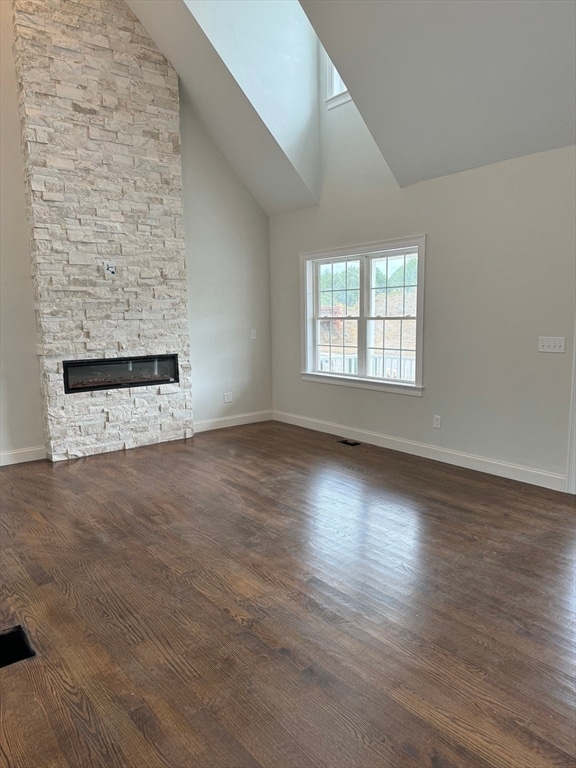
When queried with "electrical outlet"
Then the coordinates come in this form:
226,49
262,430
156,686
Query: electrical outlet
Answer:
253,333
436,421
551,343
227,397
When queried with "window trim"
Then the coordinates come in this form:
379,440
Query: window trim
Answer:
334,99
308,262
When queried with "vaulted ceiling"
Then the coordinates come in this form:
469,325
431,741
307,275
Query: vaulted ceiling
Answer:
447,85
272,146
442,85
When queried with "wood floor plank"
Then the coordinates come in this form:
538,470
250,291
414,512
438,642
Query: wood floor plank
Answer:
264,597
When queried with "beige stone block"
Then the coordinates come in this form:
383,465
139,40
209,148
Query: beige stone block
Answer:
37,183
167,389
119,415
92,345
109,101
67,91
44,135
76,258
91,429
154,77
59,162
86,236
64,40
54,197
96,40
29,7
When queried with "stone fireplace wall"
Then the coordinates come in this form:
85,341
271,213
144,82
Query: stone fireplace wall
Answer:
100,125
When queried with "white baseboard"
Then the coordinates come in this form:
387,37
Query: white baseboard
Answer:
467,460
21,455
550,480
205,425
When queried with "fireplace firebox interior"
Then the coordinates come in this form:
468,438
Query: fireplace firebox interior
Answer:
119,372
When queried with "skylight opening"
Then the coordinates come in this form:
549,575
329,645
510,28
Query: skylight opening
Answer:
336,90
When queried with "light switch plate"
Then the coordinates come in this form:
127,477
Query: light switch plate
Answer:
551,343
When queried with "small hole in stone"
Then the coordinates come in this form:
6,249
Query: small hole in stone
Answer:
14,646
349,442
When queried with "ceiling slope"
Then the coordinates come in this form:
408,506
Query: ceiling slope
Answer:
448,85
272,51
234,124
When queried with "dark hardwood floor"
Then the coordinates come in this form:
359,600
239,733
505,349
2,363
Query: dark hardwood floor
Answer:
265,597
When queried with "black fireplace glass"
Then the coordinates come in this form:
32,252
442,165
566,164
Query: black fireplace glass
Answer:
118,372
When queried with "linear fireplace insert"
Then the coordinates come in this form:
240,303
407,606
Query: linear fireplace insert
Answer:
118,372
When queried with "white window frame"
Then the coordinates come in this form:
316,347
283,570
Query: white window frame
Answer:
308,264
336,90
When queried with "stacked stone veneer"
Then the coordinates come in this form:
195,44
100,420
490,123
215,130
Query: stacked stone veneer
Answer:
99,112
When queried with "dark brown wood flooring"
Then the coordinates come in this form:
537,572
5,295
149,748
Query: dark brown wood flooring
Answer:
265,597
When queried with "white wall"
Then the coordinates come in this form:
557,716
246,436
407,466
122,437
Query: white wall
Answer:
21,437
272,51
500,272
229,284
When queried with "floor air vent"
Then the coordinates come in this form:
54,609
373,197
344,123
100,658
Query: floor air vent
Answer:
14,646
349,442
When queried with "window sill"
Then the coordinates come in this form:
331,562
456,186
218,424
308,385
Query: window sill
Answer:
336,101
356,383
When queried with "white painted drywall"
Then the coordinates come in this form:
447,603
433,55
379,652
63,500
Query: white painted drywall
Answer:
229,284
446,85
21,436
500,272
272,52
233,123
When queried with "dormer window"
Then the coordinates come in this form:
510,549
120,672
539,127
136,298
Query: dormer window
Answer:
336,90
